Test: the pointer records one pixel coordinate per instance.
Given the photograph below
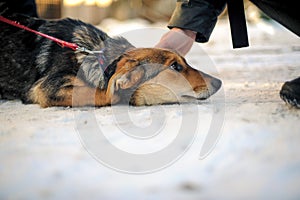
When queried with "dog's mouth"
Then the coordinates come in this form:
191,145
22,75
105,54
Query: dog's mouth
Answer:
194,98
203,95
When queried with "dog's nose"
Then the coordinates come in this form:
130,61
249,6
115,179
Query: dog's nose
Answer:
213,84
216,83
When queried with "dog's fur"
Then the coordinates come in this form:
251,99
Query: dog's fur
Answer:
37,70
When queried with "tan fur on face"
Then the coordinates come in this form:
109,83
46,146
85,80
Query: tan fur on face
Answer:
167,87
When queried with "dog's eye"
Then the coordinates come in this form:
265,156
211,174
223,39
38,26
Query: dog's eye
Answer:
177,67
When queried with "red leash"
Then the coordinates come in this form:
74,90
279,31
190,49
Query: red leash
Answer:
61,43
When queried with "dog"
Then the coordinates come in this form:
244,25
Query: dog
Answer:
37,70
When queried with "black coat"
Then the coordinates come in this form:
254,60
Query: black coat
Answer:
201,16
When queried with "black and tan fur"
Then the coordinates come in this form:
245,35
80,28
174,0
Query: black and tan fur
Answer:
37,70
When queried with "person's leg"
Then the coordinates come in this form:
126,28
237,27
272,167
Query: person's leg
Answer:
286,13
26,7
283,11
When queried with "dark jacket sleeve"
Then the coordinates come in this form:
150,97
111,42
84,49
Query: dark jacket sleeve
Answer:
197,15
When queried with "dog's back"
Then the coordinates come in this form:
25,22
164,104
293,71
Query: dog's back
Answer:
26,57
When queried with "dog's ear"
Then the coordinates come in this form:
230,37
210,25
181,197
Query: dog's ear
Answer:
130,79
131,72
128,75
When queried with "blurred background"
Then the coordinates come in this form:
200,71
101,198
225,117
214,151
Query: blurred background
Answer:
95,11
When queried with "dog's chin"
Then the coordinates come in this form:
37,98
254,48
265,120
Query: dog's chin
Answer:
203,95
142,100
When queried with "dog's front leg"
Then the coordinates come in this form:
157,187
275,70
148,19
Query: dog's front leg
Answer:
72,92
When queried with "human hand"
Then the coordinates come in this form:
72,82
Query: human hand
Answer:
177,39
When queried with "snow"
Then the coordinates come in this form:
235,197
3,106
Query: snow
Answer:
44,153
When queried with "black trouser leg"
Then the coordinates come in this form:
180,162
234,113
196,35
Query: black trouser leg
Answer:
283,11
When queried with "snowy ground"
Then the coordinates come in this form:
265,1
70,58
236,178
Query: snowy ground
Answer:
256,155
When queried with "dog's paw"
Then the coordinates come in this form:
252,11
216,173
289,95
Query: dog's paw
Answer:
114,99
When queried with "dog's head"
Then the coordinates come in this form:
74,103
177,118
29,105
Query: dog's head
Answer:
149,76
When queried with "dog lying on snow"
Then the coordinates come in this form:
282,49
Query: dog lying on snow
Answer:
37,70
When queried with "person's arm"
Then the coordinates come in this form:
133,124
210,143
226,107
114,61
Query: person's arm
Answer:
192,20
